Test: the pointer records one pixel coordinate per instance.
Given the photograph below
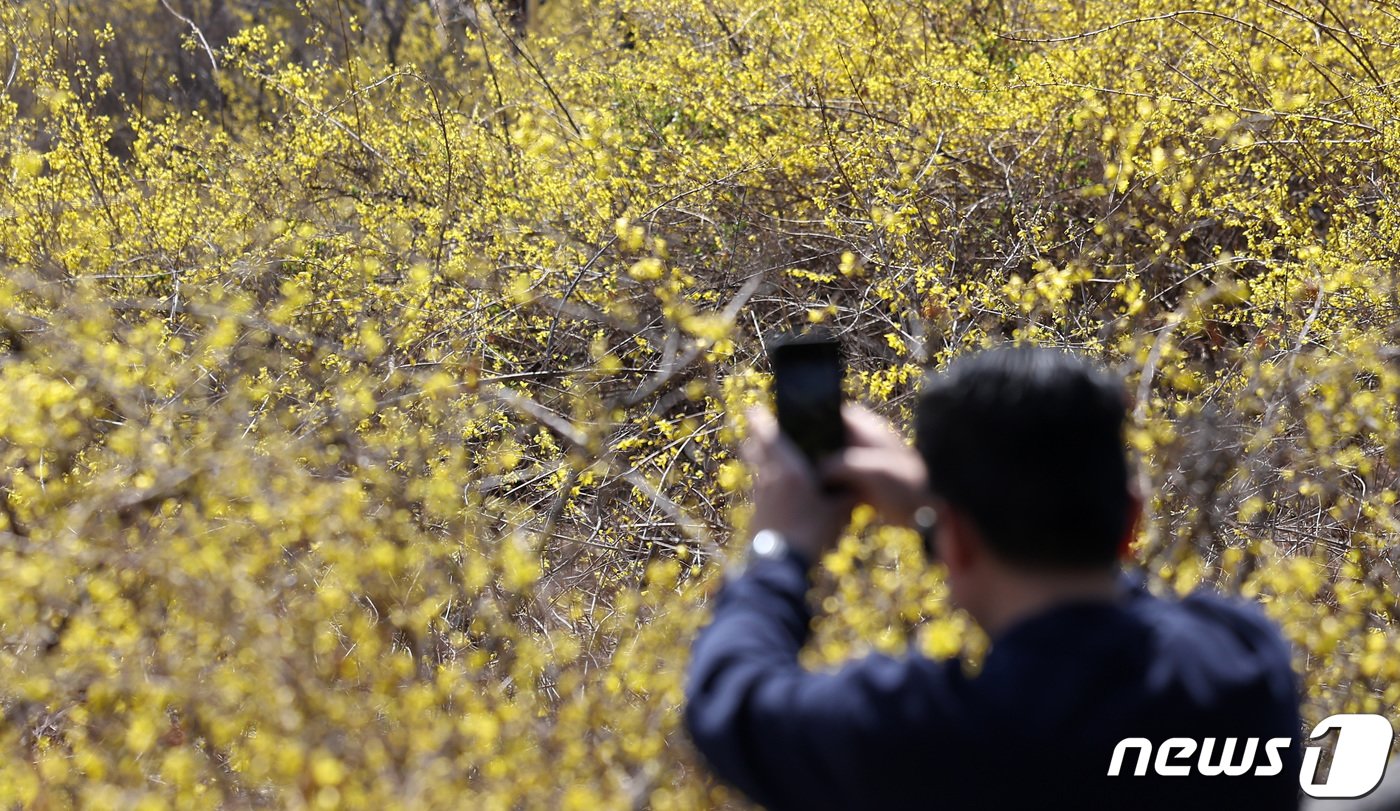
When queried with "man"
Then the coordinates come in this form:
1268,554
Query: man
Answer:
1020,453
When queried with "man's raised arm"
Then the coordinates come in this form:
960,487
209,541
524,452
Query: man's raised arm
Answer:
786,737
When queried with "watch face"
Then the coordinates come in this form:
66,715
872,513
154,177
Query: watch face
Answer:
769,544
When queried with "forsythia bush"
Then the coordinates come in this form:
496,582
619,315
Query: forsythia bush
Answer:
369,371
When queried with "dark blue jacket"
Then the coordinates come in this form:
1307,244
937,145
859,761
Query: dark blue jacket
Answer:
1037,727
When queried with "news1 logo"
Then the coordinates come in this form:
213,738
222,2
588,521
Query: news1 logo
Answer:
1358,759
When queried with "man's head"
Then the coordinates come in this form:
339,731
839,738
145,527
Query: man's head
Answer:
1025,448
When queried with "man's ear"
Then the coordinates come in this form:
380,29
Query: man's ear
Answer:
1134,518
960,543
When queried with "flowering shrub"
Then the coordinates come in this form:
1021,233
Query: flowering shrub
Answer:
369,372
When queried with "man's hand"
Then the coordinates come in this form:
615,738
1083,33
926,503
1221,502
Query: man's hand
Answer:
879,468
787,495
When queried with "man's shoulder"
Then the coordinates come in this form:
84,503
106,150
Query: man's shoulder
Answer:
1147,660
1218,658
1152,622
1209,623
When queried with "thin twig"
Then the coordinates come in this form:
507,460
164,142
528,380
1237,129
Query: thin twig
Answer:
214,63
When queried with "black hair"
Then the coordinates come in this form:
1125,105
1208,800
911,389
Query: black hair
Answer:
1028,442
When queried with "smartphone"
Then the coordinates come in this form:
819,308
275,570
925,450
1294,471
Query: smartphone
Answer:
807,372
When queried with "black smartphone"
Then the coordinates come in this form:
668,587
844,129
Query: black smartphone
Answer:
807,372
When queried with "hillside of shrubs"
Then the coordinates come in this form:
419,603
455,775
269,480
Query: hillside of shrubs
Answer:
371,371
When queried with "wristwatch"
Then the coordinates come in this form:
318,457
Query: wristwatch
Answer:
769,544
